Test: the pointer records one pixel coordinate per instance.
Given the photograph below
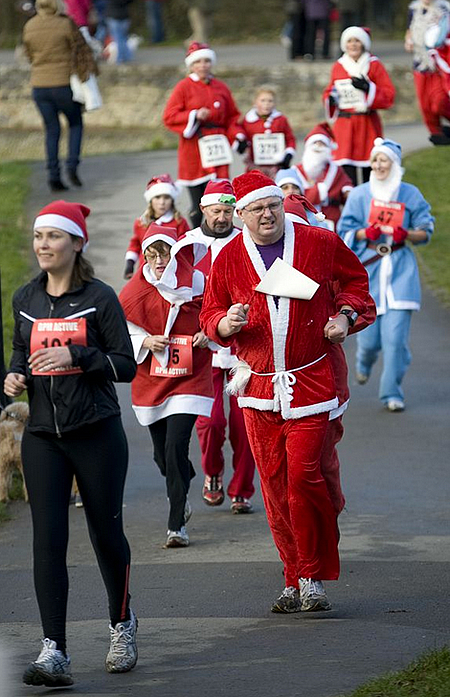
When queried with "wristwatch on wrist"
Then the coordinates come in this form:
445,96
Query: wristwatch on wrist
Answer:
351,315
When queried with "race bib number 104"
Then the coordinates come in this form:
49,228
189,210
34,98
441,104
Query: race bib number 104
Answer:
48,333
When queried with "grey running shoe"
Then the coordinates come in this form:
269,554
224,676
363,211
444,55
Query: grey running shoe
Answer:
123,654
177,538
289,601
362,378
52,667
239,504
313,596
395,405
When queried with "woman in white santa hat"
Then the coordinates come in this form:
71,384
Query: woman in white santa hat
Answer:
199,107
359,85
173,384
70,345
160,195
378,219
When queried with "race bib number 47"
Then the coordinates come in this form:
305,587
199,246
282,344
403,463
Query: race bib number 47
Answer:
268,148
48,333
386,215
215,151
180,359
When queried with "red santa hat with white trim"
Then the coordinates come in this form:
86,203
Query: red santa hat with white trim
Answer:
197,50
252,186
218,191
321,133
363,34
295,207
66,216
160,185
159,233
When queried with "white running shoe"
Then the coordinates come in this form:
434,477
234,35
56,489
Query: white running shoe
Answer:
177,538
395,405
288,601
52,667
123,654
313,596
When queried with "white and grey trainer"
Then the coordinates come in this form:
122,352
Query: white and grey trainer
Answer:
123,654
313,596
51,668
288,601
177,538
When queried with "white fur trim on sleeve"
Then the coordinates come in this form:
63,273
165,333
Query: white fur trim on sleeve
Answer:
192,125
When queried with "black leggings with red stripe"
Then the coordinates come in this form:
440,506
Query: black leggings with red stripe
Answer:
98,456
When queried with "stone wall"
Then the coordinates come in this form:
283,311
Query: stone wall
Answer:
134,96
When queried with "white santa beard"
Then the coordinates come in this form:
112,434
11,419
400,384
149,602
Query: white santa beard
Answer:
315,162
387,189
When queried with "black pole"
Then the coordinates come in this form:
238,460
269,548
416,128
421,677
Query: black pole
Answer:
4,400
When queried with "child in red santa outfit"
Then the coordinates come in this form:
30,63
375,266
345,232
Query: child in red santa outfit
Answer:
270,293
216,231
359,85
199,108
160,194
173,384
324,182
270,138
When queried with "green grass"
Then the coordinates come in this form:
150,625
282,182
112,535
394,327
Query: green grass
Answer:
429,170
428,676
14,258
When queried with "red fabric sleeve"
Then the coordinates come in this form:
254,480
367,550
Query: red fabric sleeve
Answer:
326,93
216,302
385,90
288,133
234,125
136,240
182,227
176,114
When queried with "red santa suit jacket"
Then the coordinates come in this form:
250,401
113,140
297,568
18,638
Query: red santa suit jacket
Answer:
355,132
189,95
156,397
329,192
274,123
283,350
140,227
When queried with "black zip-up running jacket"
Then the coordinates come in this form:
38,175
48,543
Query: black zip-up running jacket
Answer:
63,403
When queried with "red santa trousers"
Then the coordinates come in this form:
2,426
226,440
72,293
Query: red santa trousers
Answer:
329,463
299,510
211,435
433,100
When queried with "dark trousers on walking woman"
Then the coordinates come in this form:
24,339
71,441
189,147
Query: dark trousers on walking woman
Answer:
171,437
51,102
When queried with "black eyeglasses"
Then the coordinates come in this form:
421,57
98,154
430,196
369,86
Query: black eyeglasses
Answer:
259,210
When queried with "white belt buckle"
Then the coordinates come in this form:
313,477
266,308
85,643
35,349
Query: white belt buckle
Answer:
383,249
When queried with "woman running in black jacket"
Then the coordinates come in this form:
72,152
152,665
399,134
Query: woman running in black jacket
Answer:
70,344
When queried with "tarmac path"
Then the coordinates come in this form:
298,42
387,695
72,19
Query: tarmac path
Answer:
204,622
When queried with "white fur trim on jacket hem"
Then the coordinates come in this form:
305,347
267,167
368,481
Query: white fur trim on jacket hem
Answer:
194,182
134,256
295,413
177,404
335,413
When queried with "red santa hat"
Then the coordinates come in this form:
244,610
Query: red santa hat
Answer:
363,34
67,216
322,133
158,233
160,185
253,185
196,51
295,207
218,191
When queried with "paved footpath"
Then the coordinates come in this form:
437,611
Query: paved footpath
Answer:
204,622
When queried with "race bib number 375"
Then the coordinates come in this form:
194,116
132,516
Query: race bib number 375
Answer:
48,333
180,359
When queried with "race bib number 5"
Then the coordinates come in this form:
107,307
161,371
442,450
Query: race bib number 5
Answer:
180,359
48,333
386,215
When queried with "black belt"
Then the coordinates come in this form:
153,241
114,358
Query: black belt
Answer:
383,250
349,114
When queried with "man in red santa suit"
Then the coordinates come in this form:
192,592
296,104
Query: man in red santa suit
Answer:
324,182
272,292
199,108
216,231
296,207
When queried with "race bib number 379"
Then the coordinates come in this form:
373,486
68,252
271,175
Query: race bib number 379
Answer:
48,333
180,359
268,148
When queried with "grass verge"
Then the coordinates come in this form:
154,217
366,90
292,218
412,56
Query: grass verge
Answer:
428,676
14,259
429,170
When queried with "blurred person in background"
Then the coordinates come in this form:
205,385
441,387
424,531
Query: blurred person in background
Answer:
154,20
317,15
56,49
118,23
